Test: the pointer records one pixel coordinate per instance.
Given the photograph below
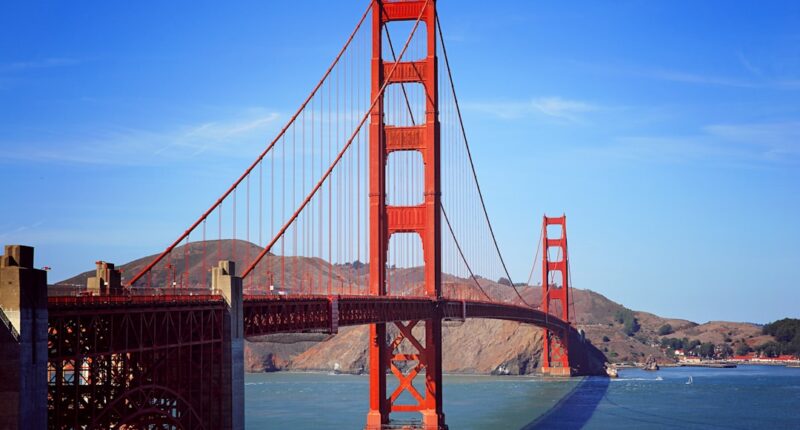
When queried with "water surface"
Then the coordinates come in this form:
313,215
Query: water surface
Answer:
747,397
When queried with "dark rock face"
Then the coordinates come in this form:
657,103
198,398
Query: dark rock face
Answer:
650,364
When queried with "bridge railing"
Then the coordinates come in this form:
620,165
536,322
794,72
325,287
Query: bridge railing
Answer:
160,299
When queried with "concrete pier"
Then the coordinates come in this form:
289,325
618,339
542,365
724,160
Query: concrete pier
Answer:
106,281
224,279
557,371
23,341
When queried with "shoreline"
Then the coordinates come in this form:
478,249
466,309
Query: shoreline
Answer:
487,375
710,364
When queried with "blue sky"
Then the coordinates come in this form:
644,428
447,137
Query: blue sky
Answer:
668,132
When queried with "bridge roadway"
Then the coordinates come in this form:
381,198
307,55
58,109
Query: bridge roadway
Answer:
110,356
272,314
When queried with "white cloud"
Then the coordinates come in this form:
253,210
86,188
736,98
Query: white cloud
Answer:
557,108
746,145
748,65
775,140
561,108
758,79
38,64
135,146
211,135
20,229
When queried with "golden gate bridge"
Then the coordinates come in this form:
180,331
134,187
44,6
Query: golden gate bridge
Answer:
364,209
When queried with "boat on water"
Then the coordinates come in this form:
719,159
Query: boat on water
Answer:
690,381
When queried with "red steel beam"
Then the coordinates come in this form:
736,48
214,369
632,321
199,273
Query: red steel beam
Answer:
285,314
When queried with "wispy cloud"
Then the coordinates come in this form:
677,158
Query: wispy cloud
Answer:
562,108
210,135
37,64
556,108
757,80
695,78
748,65
701,79
135,146
736,145
20,229
773,140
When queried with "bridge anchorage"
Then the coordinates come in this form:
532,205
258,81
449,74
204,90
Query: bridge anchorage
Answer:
365,209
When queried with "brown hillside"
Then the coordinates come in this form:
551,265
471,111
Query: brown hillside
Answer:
476,346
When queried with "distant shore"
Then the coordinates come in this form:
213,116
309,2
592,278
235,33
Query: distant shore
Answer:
715,364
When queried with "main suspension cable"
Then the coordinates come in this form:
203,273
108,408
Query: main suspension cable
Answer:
472,165
536,257
458,247
340,154
260,157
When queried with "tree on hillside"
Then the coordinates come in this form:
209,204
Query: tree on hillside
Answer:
628,320
787,337
622,315
770,349
504,281
743,349
631,326
665,330
794,346
706,350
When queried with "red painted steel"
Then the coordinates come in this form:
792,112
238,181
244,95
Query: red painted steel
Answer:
555,349
422,220
110,357
125,362
289,314
158,360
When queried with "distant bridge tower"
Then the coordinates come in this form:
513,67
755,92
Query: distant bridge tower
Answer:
555,349
422,219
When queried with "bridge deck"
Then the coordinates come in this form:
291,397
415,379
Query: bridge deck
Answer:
286,314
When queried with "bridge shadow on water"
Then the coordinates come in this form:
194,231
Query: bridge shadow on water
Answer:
575,409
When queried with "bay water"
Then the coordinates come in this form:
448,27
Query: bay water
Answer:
747,397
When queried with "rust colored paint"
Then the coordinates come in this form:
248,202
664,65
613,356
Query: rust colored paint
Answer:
120,362
555,342
422,219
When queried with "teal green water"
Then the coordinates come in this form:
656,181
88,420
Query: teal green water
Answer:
748,397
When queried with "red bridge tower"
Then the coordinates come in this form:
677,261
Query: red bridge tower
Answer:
422,219
555,348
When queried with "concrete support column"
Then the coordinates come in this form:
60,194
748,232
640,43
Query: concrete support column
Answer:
23,341
106,281
224,279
